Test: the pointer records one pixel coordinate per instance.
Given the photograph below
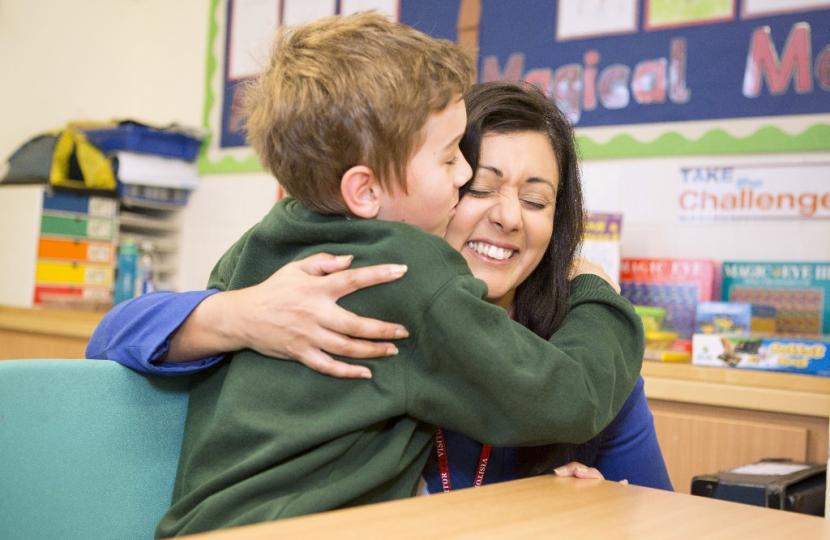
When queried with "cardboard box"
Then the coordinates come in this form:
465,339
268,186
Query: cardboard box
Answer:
806,356
677,285
800,292
734,317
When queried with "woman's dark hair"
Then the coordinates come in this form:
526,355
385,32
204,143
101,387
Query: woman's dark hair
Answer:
541,302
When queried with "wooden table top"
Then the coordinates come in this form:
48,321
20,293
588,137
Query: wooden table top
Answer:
543,507
49,321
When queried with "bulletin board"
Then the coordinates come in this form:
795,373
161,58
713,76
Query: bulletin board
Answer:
637,78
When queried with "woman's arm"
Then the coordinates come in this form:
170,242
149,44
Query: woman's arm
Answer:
629,448
136,333
293,314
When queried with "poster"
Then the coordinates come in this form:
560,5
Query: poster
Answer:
762,192
637,78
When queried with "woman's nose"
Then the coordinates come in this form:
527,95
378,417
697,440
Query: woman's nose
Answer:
507,213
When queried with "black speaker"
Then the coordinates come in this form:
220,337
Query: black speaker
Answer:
772,483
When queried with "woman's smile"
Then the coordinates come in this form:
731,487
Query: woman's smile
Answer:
492,251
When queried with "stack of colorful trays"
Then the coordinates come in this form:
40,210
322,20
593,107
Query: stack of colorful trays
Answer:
76,249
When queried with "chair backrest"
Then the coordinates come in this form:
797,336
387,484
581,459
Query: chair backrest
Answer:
88,449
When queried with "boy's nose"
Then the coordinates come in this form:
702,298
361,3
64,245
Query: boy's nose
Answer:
465,172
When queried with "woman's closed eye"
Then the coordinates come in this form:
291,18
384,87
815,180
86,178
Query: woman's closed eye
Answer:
481,192
535,204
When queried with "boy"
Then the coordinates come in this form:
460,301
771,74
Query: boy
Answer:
360,120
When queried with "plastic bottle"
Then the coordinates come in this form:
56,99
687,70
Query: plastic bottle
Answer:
127,266
145,280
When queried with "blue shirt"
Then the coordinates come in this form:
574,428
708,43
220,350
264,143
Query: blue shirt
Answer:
137,333
625,450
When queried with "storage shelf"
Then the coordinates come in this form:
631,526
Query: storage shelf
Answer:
743,389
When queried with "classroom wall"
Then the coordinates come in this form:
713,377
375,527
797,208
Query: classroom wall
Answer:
145,59
645,191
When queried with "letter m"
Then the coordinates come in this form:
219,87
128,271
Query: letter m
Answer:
763,61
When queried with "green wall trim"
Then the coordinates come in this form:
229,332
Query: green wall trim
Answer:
767,139
230,164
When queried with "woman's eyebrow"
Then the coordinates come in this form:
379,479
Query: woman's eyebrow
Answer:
538,180
492,169
531,180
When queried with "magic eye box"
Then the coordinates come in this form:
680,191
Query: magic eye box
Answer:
806,356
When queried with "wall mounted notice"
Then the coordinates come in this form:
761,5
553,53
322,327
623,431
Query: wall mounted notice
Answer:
777,191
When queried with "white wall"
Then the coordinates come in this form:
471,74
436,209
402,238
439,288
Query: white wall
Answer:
142,59
145,59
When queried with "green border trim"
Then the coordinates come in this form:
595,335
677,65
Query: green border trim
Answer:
767,139
227,164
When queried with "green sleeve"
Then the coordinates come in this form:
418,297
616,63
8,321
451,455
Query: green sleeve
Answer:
484,375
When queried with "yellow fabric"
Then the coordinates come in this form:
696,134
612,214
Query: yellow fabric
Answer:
96,168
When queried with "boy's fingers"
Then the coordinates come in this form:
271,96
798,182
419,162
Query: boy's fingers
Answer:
349,281
347,323
321,264
325,364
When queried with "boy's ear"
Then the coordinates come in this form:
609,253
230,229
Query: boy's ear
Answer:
361,191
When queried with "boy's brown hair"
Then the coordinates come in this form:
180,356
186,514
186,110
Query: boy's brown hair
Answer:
346,91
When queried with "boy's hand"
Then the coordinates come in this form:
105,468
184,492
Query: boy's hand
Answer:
581,265
294,314
578,470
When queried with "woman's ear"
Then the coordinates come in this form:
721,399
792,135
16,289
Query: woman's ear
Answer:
361,191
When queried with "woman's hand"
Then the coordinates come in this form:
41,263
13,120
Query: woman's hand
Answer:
293,314
582,265
578,470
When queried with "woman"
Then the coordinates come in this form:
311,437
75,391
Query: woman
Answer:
525,187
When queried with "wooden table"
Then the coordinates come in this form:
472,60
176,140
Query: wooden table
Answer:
544,507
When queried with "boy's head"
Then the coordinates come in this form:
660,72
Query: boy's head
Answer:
354,93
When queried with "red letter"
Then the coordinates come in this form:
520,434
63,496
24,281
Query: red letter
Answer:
589,85
567,92
648,84
823,68
613,86
678,91
512,71
540,78
762,60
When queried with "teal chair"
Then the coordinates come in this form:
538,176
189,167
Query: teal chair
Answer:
88,449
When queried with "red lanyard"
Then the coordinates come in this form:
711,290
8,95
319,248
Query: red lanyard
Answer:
444,466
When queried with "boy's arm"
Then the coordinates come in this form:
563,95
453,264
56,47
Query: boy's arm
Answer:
137,333
492,379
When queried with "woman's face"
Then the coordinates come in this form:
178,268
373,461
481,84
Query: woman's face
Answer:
503,225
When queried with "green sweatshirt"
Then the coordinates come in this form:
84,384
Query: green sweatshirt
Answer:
267,439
